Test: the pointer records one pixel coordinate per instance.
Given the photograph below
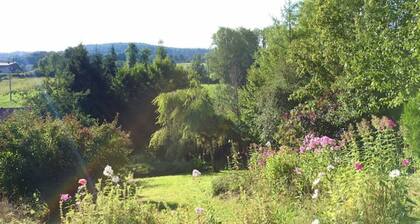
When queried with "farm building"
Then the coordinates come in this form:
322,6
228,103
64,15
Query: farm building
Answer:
9,67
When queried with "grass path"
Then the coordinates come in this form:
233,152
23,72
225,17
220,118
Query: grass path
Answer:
183,190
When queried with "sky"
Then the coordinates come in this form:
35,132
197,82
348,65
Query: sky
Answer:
31,25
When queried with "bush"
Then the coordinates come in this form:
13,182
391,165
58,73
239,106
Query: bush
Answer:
370,185
367,197
38,153
22,211
233,183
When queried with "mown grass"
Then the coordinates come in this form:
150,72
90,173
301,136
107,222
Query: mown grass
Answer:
185,191
18,85
414,194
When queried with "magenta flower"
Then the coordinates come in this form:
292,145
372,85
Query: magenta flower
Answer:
64,197
358,166
405,162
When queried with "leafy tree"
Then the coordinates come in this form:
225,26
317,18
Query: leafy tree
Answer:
132,54
136,87
271,79
360,53
232,55
184,116
51,64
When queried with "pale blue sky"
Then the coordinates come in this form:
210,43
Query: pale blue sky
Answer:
29,25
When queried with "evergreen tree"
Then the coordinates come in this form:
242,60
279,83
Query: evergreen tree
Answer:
110,63
145,56
132,54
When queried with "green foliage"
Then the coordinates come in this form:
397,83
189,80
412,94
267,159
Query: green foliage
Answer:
22,211
269,83
122,203
51,64
36,153
361,178
132,54
184,116
411,125
367,197
112,204
233,54
233,183
367,61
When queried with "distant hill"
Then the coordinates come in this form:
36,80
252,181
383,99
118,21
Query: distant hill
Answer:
28,59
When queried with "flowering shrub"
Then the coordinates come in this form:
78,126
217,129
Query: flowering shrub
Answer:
361,177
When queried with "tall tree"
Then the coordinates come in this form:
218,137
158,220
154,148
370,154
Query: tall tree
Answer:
145,56
132,54
232,55
110,63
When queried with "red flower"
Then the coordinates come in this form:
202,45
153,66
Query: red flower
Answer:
82,181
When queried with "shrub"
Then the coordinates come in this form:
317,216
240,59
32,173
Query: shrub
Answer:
367,197
22,211
233,183
38,153
370,185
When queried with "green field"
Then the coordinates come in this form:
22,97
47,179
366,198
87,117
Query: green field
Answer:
18,85
183,190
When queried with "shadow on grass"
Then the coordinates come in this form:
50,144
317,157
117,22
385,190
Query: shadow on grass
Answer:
164,205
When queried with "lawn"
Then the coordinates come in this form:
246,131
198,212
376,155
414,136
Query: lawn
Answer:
183,190
18,85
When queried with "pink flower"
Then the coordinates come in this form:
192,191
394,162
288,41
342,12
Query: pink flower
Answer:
64,197
82,182
405,162
358,166
388,123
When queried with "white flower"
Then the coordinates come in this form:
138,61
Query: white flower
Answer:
330,167
321,174
199,211
316,181
394,173
115,179
268,144
196,173
315,194
316,221
108,171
